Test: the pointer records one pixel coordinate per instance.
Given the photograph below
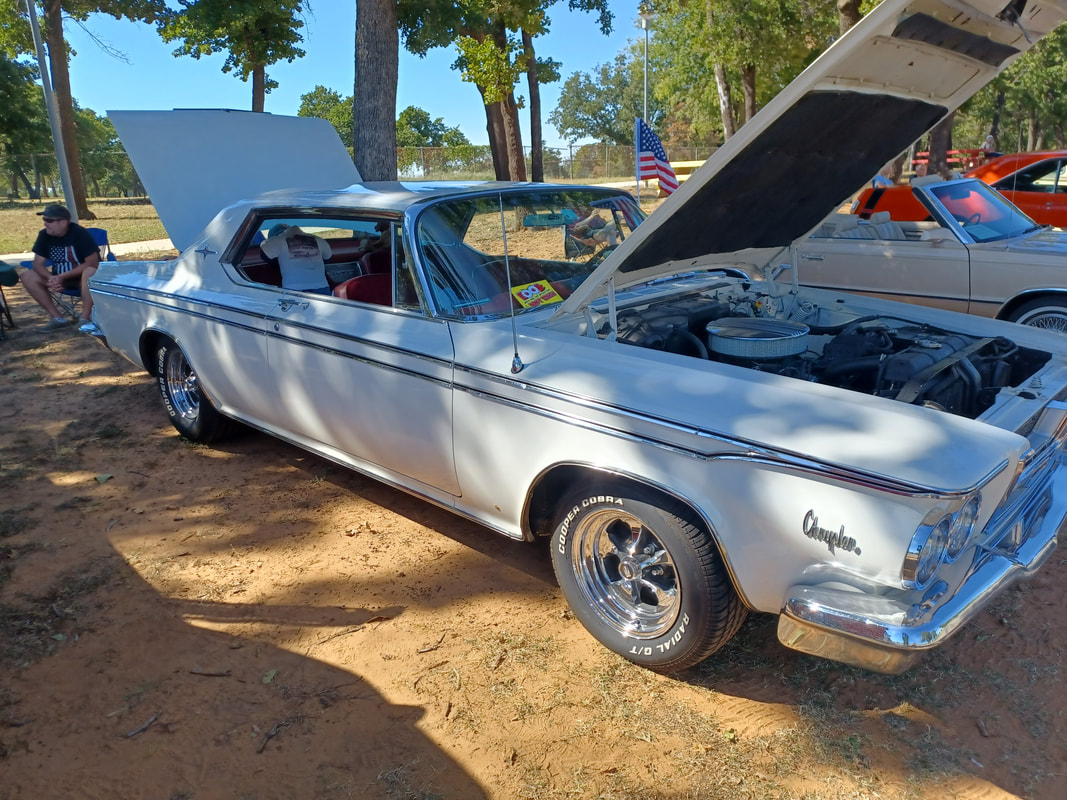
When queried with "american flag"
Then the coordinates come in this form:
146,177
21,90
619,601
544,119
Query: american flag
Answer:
651,160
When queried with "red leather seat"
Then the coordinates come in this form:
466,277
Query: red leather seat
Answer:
376,288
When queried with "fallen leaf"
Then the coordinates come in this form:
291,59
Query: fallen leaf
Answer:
269,676
104,478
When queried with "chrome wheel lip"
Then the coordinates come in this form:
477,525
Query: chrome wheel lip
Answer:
182,387
626,574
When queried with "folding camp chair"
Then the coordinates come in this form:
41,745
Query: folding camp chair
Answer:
100,237
8,277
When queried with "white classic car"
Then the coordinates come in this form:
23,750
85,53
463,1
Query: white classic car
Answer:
976,253
691,442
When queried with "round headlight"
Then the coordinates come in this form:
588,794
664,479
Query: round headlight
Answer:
962,527
925,553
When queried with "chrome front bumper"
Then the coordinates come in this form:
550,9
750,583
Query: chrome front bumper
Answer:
885,634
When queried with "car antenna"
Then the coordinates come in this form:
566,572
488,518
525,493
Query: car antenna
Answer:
516,362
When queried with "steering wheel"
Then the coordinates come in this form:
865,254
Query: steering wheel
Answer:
600,255
971,220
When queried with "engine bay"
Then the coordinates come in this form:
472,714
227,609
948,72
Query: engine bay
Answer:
878,355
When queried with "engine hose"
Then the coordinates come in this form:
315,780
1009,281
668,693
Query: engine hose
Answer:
684,343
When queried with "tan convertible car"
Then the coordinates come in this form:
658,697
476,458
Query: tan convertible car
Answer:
977,253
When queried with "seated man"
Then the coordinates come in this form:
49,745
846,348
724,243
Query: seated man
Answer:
74,256
301,258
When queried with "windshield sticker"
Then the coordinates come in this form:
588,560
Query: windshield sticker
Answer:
535,294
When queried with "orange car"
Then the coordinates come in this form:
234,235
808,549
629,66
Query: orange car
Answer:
1035,182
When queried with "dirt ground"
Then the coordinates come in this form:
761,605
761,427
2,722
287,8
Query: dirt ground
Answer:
250,621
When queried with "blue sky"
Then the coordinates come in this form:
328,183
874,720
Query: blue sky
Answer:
155,79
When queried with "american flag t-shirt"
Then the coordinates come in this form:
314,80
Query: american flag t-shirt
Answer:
652,160
63,258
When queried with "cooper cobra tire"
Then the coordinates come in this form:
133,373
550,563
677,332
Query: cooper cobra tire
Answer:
191,413
1047,313
644,576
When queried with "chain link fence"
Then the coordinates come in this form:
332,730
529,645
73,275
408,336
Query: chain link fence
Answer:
109,174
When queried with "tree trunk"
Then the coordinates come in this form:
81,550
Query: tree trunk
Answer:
537,166
896,167
940,144
57,65
259,87
998,109
726,104
1031,132
494,127
18,173
748,89
374,95
848,13
513,137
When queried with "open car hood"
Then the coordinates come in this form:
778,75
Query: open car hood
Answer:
893,76
195,162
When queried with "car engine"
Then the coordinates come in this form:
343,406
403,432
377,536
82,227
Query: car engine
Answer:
876,355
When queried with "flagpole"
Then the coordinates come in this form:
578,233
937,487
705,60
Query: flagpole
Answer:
637,158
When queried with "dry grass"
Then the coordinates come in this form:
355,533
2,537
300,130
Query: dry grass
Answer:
125,221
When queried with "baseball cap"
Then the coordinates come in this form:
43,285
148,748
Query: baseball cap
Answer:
55,210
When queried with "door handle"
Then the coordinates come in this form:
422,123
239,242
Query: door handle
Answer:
288,305
812,257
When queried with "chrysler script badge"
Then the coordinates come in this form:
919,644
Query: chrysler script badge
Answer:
832,539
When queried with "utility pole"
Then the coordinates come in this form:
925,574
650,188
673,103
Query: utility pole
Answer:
53,113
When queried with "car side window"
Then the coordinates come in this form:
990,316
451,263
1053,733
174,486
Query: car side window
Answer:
361,259
1046,176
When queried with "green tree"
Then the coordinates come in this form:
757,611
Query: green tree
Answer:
328,105
24,131
605,107
96,143
707,54
1023,107
15,38
253,33
495,40
415,128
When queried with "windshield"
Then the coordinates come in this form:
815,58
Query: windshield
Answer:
984,214
486,255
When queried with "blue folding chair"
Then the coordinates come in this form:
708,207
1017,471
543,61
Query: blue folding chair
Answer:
100,237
